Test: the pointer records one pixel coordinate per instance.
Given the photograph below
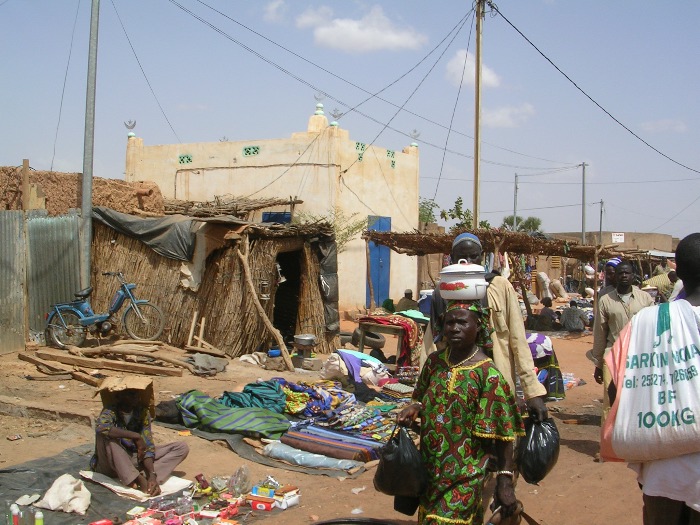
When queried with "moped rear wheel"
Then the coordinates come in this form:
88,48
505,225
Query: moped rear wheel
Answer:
63,337
147,329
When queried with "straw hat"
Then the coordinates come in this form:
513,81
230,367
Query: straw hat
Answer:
109,388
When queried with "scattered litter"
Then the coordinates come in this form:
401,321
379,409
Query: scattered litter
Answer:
61,386
588,406
14,437
27,499
358,510
184,433
357,490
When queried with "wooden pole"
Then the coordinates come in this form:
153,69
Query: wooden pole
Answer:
194,323
261,311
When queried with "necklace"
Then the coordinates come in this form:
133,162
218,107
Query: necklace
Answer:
449,354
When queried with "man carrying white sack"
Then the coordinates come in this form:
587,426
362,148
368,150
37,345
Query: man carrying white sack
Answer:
653,422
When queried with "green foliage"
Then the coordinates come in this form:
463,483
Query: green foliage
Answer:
345,228
531,224
462,215
426,210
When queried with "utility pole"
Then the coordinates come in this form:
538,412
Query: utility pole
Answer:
583,204
515,205
88,149
477,107
600,224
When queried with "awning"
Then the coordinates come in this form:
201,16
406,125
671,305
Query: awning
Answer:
659,253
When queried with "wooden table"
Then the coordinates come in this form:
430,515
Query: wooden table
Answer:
381,329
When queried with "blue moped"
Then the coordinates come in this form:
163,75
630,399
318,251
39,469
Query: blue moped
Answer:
67,324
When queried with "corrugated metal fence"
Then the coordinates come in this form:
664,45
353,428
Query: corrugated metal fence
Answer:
44,253
11,281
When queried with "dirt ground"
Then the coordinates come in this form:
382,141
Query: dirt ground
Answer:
580,490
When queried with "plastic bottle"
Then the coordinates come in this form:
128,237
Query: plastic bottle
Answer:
14,510
39,518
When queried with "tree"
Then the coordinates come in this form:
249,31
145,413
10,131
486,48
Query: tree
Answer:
426,210
345,228
463,216
531,224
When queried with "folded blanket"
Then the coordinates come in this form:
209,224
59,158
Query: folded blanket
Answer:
202,411
329,447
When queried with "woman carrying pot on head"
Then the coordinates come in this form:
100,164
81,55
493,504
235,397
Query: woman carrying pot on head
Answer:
468,414
510,352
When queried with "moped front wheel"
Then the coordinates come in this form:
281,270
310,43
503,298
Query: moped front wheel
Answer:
146,327
63,337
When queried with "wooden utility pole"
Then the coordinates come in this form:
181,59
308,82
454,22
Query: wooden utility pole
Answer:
477,108
583,204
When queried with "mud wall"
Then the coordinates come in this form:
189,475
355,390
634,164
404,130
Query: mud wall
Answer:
63,191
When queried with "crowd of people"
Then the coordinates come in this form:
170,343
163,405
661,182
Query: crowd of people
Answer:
466,394
478,382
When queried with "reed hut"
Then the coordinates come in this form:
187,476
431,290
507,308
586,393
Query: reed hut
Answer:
290,269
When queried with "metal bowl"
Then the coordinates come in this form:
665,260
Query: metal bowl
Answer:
305,339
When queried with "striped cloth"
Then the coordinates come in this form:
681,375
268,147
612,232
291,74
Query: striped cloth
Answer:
202,411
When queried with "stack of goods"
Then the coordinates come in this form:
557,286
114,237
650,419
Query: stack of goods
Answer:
408,375
398,392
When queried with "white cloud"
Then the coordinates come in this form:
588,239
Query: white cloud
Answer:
275,10
373,32
455,67
507,117
665,126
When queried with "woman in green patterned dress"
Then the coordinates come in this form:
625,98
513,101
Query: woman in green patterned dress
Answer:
468,414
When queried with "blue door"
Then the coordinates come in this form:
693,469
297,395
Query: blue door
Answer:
379,261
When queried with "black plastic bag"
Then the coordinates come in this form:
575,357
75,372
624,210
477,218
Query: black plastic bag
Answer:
400,471
538,451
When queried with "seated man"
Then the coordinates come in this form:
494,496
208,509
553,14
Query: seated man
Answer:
573,319
548,313
407,302
124,446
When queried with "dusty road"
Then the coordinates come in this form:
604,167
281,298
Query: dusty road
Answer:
579,491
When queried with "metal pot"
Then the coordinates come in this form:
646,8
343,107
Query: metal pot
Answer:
305,339
462,281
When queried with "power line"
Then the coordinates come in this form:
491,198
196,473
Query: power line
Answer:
495,8
545,207
341,102
335,75
65,79
454,112
385,126
144,73
677,214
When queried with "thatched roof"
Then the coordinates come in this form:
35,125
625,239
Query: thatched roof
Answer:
417,243
224,205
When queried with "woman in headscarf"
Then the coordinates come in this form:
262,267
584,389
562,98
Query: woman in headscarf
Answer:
468,414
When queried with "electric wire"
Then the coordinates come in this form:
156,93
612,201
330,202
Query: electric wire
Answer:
4,3
545,207
677,214
454,112
335,75
321,91
495,8
385,126
65,80
143,72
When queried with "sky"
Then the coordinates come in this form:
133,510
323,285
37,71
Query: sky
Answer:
201,71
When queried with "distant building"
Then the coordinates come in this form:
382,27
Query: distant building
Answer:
625,241
321,166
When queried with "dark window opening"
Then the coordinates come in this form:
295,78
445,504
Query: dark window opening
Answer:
286,308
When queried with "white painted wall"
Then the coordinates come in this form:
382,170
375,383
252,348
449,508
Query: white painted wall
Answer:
309,165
